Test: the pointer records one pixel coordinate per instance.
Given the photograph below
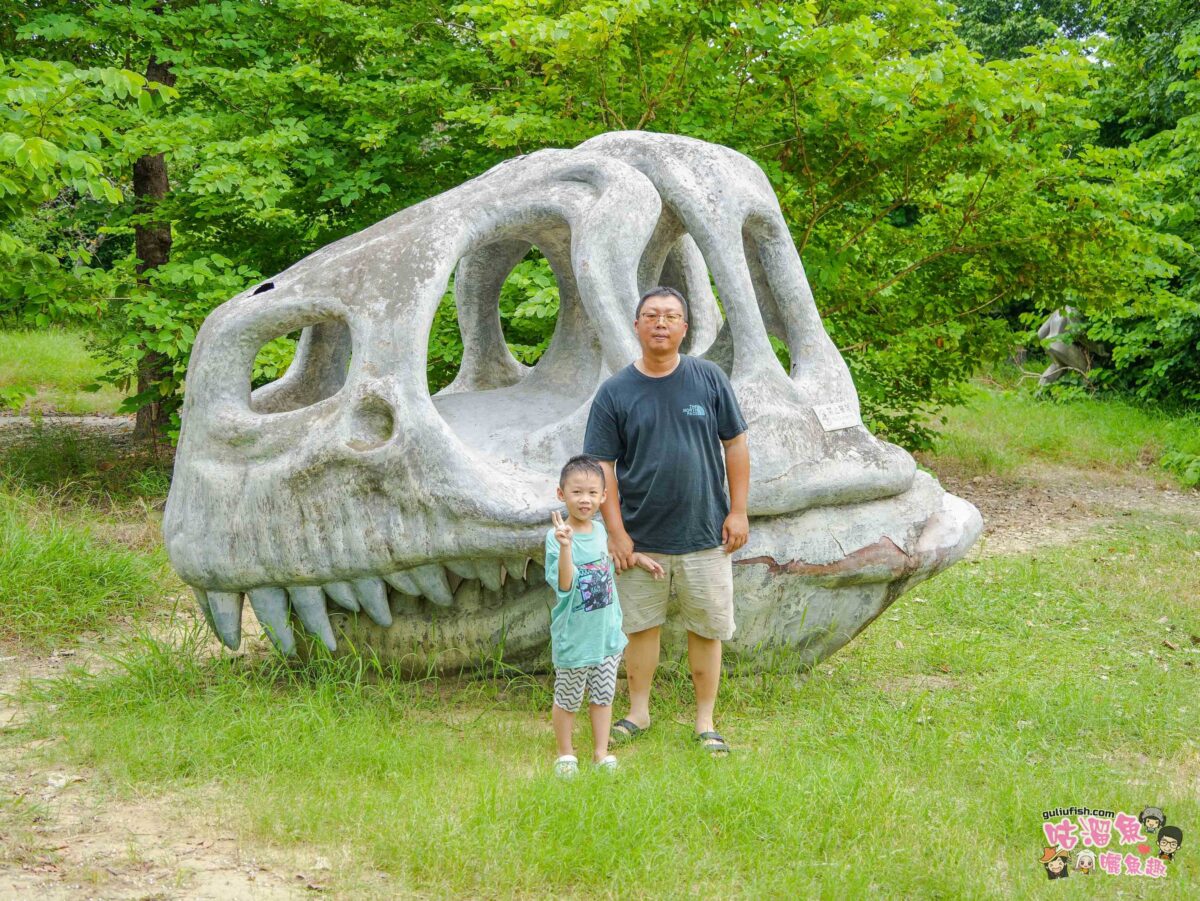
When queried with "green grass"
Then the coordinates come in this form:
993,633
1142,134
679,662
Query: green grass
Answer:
58,580
915,763
999,431
81,468
56,366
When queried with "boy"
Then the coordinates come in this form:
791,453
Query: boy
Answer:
585,624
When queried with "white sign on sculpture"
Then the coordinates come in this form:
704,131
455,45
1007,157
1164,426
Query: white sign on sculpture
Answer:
842,415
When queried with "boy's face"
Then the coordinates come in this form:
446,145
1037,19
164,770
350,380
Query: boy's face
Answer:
1168,844
583,493
1056,865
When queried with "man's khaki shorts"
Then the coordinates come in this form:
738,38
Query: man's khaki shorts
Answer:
702,584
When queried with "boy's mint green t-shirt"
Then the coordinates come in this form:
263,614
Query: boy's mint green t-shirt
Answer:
585,624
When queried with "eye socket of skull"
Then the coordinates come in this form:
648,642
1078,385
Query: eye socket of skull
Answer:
495,403
229,342
316,373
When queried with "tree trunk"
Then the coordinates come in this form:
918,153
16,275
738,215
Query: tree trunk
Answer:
153,242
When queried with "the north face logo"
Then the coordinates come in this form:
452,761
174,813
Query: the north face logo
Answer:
693,410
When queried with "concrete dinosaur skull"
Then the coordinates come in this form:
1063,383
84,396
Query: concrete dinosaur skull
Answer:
345,481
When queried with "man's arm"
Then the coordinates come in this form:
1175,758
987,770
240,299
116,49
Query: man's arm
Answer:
620,545
736,529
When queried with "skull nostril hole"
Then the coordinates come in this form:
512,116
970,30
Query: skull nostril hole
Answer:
371,424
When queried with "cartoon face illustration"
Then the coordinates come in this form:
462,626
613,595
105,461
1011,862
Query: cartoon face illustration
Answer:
1085,862
595,585
1055,862
1152,819
1169,840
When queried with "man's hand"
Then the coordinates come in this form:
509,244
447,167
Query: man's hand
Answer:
735,531
563,533
620,548
650,565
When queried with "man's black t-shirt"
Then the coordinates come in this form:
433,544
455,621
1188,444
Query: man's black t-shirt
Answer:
665,436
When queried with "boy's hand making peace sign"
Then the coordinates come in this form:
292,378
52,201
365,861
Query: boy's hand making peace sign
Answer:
563,533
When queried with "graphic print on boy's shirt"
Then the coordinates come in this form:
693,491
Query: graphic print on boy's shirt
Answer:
595,586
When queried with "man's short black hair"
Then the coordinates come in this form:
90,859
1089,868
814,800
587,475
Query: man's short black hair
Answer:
661,291
581,463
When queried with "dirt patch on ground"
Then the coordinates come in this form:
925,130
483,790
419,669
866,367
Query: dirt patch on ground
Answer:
117,429
65,835
1044,506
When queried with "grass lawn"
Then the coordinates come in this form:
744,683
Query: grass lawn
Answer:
916,762
57,581
999,431
56,366
1000,690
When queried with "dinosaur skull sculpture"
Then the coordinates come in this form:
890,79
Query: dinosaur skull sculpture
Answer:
345,485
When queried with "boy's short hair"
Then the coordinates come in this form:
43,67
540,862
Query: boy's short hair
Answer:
661,291
581,463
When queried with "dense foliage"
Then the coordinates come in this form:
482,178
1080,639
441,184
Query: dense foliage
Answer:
947,183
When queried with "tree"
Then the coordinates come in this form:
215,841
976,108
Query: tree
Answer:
1002,29
928,191
292,123
1149,98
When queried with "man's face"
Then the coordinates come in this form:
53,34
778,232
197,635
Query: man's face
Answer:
660,326
1168,845
1056,865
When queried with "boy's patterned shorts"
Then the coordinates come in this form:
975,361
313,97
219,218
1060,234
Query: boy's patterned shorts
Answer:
600,681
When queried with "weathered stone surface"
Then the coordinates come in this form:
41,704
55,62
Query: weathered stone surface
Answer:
1076,355
426,512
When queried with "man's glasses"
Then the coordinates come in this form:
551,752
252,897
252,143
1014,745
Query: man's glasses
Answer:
668,318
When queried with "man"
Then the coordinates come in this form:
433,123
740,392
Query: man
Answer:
660,427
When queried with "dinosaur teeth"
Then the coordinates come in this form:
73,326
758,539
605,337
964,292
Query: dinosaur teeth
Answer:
342,594
373,597
516,567
403,582
431,579
270,605
464,569
202,600
491,574
309,604
225,608
439,583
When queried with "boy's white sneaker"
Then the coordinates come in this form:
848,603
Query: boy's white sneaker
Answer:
566,766
607,765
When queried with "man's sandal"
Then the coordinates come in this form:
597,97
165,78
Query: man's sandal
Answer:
713,743
625,731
